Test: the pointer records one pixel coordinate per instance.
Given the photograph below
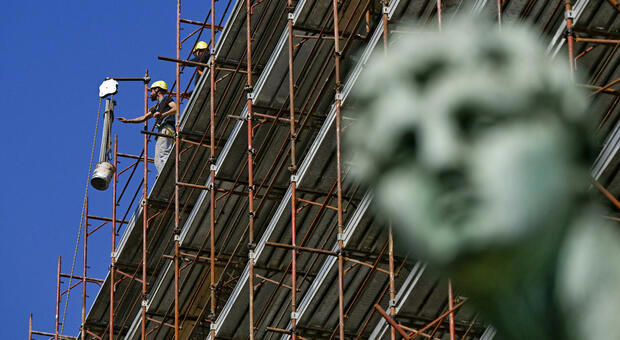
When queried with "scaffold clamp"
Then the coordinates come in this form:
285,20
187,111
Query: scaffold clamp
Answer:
294,315
113,254
569,15
213,326
250,96
144,303
291,16
252,256
386,9
211,186
213,167
294,178
392,303
339,96
177,238
340,237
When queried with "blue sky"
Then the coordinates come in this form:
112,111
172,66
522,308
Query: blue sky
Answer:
55,55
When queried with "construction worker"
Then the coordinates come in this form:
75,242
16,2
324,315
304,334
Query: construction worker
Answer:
201,55
163,112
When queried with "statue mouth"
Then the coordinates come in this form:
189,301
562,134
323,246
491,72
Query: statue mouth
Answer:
456,206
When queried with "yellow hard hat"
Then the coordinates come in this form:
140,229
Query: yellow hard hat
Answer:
201,45
161,84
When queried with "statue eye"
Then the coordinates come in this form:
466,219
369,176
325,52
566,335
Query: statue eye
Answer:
433,68
407,145
472,122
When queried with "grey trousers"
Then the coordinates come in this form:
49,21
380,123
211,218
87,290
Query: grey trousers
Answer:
163,147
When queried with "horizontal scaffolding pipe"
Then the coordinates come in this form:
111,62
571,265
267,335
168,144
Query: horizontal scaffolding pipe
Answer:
196,186
106,219
598,41
63,337
125,155
200,23
88,279
142,79
312,250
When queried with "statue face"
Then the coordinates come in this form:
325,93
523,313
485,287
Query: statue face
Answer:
469,149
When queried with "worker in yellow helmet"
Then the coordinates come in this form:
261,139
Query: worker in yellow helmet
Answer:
163,112
201,55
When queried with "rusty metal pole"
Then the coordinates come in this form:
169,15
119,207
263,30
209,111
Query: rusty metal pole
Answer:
392,302
177,230
145,220
57,301
250,93
30,327
292,169
439,5
570,35
83,332
451,307
212,171
113,256
499,12
340,235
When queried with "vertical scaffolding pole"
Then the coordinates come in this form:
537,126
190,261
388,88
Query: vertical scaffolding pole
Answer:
499,12
145,220
212,170
570,38
30,327
250,93
113,252
57,322
451,308
392,302
340,235
439,14
83,332
293,171
177,236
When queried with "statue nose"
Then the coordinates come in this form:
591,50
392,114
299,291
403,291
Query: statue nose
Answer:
451,177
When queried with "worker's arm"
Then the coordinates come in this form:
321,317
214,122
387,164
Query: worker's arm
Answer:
140,119
173,110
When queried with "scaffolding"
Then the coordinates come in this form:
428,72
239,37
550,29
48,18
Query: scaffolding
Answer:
211,251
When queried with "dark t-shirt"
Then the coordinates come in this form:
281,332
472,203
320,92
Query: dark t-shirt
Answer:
161,107
201,59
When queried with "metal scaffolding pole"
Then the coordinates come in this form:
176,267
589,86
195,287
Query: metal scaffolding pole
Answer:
57,302
570,35
499,12
113,256
250,152
84,267
145,220
177,230
292,170
439,14
451,307
212,168
340,235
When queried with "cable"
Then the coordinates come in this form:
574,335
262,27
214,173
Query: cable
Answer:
77,242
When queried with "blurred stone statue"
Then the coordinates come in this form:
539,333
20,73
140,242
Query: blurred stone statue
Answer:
476,146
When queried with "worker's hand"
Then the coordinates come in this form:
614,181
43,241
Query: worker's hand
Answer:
122,119
157,114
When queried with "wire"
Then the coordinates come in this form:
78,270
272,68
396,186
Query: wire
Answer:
77,242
